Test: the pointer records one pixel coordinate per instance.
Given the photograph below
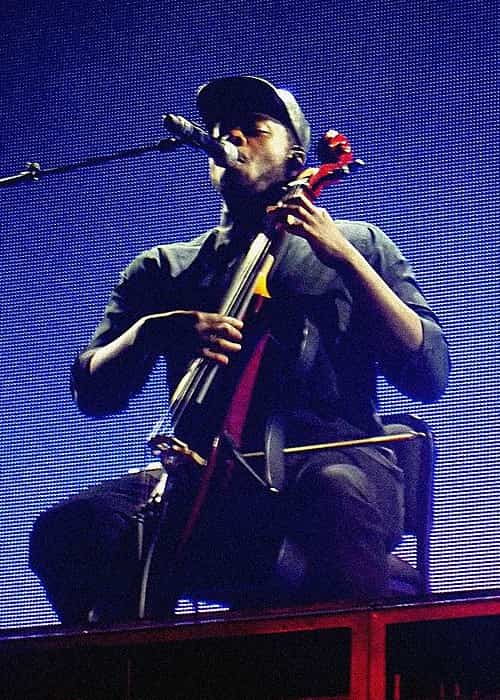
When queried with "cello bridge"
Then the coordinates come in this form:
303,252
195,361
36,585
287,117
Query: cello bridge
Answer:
169,448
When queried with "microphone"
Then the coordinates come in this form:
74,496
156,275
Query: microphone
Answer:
223,152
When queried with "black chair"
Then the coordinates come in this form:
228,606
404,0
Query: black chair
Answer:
413,442
416,457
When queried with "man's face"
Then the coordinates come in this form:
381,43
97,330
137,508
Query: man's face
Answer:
264,147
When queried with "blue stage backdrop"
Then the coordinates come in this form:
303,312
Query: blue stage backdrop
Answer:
408,81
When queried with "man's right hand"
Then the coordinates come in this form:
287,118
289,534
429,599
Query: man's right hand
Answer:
215,336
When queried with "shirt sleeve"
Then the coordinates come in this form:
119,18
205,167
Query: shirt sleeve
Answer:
143,288
423,374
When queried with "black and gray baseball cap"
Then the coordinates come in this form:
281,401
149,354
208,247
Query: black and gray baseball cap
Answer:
245,94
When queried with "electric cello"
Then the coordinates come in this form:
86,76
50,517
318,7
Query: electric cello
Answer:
209,406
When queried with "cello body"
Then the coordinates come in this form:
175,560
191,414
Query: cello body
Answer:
212,494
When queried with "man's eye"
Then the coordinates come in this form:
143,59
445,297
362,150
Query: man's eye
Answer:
224,132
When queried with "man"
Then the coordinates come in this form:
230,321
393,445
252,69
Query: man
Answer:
340,510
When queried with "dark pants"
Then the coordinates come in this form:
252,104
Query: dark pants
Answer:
346,514
325,537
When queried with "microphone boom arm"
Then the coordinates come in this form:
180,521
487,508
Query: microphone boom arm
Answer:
35,172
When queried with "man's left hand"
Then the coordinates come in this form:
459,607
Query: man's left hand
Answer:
300,217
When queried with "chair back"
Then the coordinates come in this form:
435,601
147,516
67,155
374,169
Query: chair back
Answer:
416,458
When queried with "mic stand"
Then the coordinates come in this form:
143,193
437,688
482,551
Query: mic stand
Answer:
34,171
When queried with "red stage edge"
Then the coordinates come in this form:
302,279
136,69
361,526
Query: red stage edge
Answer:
434,648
